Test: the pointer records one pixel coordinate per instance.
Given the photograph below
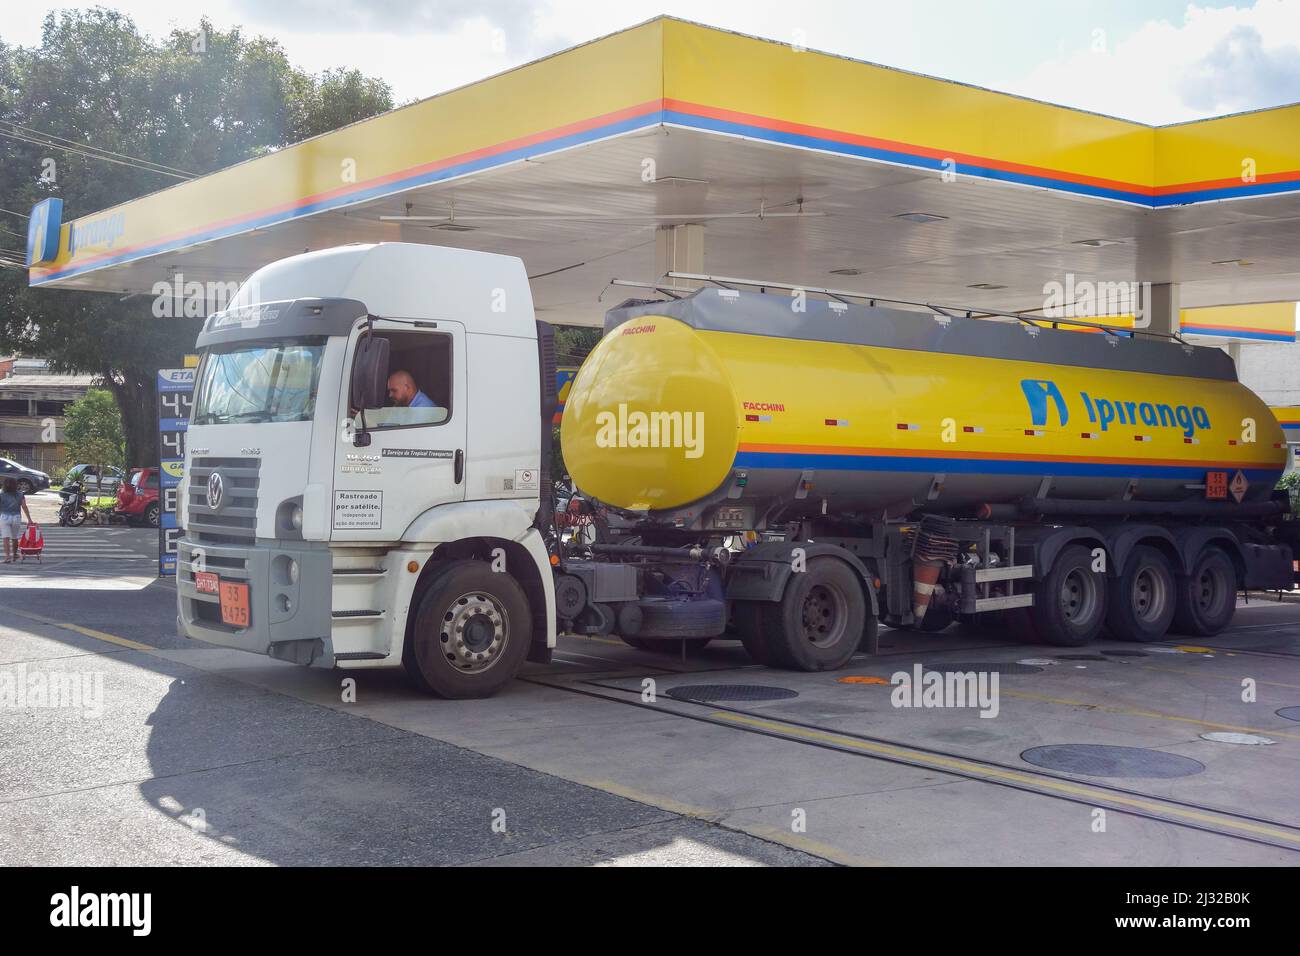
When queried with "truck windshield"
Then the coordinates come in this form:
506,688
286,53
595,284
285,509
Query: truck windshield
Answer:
258,382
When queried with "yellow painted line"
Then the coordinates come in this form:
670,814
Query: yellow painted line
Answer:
1235,680
1092,794
87,631
1128,712
602,640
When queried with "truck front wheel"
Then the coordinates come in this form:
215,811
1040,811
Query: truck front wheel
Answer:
471,632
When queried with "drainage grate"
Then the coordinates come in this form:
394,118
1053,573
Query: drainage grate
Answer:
987,667
730,692
1100,760
1290,713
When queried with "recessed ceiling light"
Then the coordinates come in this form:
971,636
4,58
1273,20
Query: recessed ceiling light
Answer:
985,285
920,217
846,272
1232,262
1094,243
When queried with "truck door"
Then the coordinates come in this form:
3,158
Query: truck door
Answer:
416,455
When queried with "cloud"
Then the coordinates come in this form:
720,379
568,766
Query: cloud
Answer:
1215,61
383,16
1231,76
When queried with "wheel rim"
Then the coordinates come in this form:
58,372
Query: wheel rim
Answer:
1209,591
1078,597
1150,595
475,628
825,611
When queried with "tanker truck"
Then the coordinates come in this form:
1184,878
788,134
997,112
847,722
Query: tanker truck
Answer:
796,471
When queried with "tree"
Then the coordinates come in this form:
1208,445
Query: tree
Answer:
198,101
92,432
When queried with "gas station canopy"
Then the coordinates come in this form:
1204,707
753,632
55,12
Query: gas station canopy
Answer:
672,145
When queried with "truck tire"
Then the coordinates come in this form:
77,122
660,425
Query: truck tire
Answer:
1207,598
471,632
1141,602
1069,606
819,621
748,624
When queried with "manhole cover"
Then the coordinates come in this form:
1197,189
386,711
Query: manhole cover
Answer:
986,667
1079,657
1100,760
1231,738
1290,713
1126,653
730,692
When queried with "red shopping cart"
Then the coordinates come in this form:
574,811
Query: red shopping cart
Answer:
32,543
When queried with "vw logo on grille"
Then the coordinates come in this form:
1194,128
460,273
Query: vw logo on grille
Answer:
216,490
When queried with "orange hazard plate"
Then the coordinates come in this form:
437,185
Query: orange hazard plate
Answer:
234,604
1216,484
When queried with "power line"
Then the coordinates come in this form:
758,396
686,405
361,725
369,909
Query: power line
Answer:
81,152
18,214
99,149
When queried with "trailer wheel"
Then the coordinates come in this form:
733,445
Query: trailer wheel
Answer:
819,622
471,632
1141,604
1207,598
1070,603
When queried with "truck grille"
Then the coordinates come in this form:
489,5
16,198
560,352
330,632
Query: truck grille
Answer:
235,522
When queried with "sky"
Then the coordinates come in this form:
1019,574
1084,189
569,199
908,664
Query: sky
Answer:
1155,61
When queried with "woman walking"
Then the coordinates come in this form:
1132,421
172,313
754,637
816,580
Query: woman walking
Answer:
13,505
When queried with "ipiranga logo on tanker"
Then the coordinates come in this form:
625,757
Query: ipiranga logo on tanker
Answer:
1113,410
659,429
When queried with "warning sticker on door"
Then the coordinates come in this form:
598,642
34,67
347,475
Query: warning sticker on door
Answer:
358,509
525,479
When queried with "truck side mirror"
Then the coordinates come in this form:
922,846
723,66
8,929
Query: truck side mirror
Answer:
370,373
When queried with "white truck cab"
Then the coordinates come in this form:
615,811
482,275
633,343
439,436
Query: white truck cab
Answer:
319,524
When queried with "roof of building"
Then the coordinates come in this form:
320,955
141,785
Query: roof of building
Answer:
797,163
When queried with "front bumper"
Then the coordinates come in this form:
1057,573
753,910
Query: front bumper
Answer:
281,610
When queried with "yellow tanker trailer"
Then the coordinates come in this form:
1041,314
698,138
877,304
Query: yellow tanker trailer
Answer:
801,469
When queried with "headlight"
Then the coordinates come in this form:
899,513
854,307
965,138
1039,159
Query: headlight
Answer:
295,519
293,571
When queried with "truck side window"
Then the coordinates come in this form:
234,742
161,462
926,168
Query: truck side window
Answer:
419,382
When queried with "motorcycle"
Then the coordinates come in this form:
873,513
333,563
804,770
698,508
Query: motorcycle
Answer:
72,513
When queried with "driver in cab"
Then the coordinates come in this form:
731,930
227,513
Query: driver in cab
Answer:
403,393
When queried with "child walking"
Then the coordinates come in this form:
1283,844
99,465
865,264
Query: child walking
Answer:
13,505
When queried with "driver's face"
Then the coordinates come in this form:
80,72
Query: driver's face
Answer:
398,392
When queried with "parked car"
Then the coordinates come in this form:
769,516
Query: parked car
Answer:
93,483
29,479
137,497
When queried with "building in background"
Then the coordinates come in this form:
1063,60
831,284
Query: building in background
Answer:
32,400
